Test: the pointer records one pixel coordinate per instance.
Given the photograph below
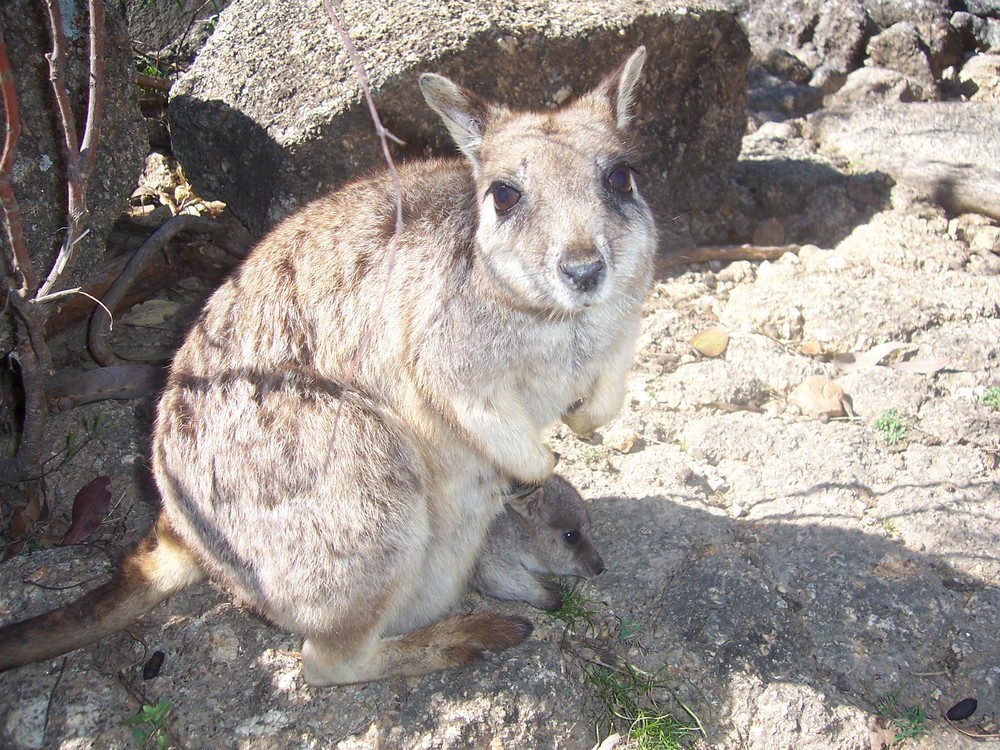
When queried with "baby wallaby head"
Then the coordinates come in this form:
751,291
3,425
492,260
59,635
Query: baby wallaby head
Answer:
557,527
561,225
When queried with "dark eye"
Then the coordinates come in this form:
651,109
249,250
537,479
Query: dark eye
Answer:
572,537
504,197
620,179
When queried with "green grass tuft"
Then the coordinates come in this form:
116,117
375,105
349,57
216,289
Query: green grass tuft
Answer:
577,610
629,697
893,426
150,725
991,398
910,723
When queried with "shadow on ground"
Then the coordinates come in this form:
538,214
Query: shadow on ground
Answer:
797,599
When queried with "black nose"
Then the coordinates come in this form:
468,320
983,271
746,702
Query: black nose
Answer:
582,275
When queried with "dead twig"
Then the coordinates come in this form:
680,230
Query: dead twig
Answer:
723,253
20,263
52,693
974,735
149,82
191,22
31,354
80,155
335,10
100,322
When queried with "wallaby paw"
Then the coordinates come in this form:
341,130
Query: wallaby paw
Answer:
516,488
549,596
539,469
586,415
579,421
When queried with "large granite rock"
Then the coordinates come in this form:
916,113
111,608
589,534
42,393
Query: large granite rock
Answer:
39,177
174,30
947,152
269,116
832,32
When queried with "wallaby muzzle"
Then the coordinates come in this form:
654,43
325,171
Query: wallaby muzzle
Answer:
581,269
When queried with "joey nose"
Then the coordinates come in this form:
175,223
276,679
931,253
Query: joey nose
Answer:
598,565
581,273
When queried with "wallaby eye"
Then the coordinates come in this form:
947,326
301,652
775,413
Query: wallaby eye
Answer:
572,537
620,179
504,197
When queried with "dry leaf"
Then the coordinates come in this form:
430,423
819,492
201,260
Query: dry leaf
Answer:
711,342
927,366
811,348
20,524
152,312
622,440
23,520
819,397
89,507
850,361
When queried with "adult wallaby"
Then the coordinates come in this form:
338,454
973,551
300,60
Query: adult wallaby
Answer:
543,533
353,516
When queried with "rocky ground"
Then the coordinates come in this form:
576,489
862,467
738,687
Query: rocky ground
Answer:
788,566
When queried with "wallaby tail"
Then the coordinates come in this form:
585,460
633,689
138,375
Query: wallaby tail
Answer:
454,642
157,567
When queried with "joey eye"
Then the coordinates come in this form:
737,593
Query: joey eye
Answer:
620,179
572,537
504,197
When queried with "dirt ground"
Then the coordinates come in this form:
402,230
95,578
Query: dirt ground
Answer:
792,578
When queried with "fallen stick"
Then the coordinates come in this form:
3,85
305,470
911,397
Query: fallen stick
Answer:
722,253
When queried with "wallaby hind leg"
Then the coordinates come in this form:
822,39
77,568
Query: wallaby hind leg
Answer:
453,642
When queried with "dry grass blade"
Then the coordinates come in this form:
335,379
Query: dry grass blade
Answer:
336,12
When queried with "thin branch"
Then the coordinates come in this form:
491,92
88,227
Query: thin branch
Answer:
100,322
722,253
335,10
57,75
95,99
52,694
194,17
149,82
19,262
75,290
79,156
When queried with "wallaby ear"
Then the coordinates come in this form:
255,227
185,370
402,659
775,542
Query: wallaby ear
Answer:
463,112
620,88
530,505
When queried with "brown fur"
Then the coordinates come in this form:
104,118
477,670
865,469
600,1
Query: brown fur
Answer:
496,323
158,567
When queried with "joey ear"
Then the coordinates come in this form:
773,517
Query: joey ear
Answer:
620,88
463,112
530,505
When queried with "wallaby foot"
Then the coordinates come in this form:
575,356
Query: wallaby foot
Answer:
548,595
454,642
